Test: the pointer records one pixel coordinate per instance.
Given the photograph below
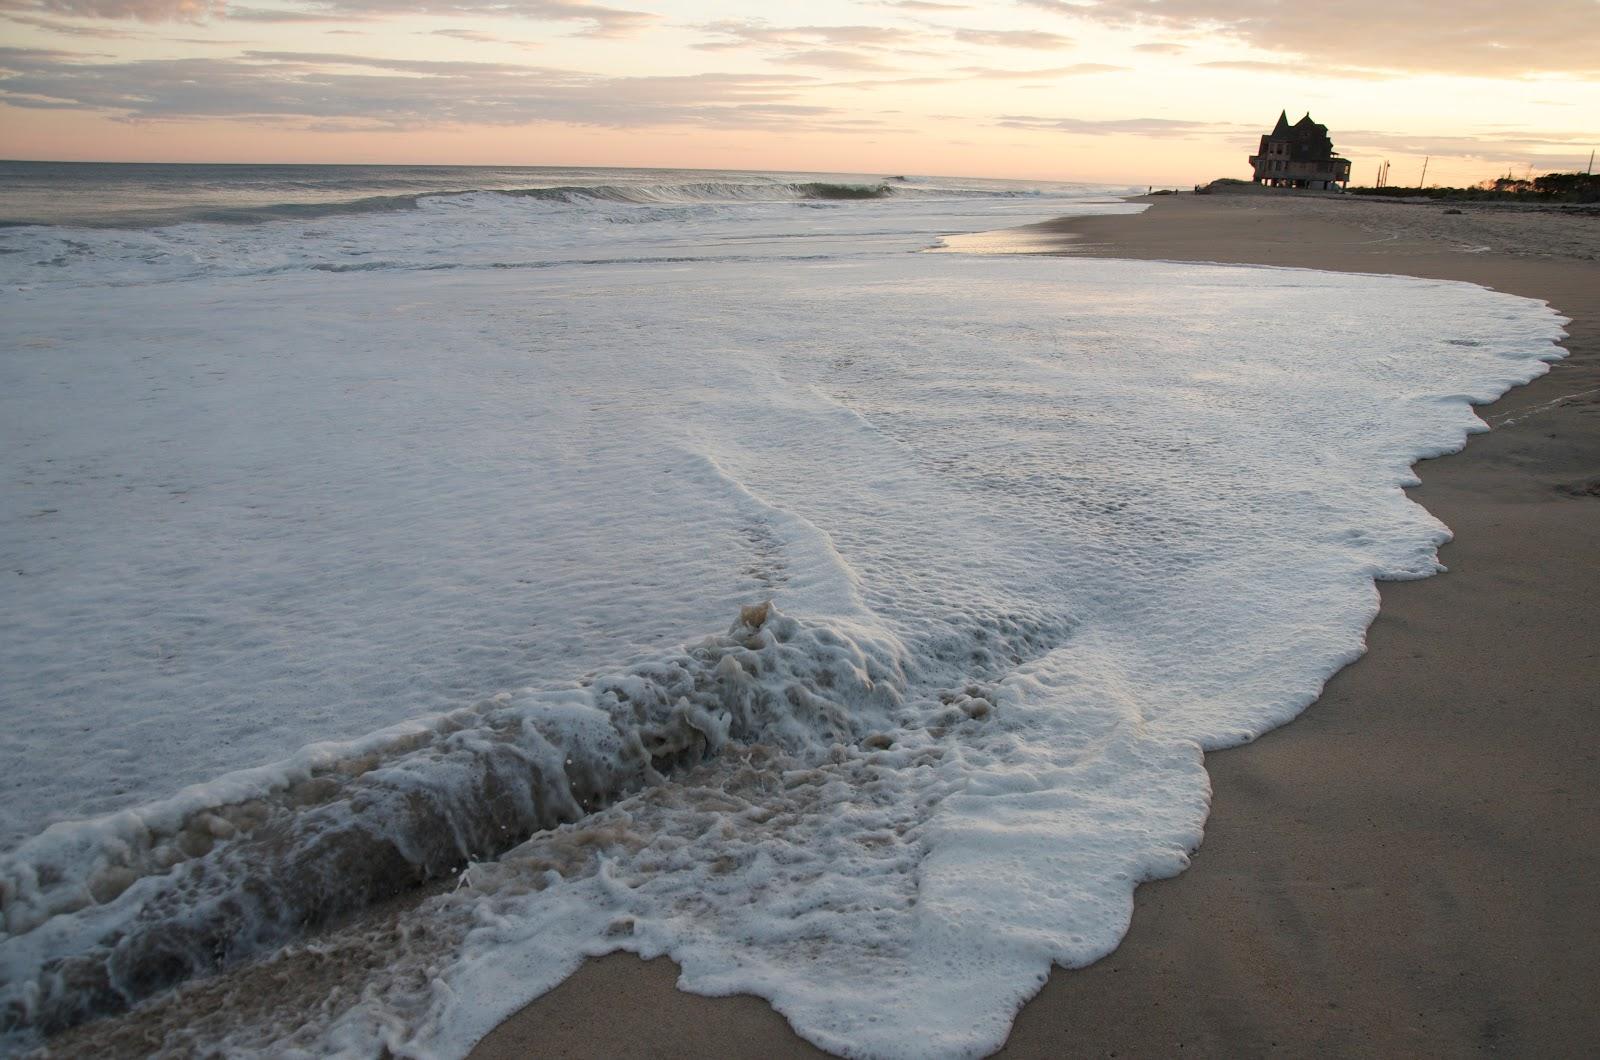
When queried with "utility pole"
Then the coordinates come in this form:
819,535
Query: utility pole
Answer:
1423,183
1589,170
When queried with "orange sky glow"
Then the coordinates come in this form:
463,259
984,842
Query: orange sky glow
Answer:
1141,91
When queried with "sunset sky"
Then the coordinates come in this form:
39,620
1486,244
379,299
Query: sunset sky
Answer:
1139,91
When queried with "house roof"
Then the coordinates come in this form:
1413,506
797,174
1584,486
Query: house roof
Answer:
1305,128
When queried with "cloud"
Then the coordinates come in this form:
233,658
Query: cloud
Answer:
848,47
1151,127
475,36
862,47
595,20
983,73
141,10
1259,66
736,33
275,15
69,29
1488,38
790,109
1058,7
1013,38
996,73
479,37
885,82
343,91
435,67
833,59
1498,147
10,55
1161,48
923,5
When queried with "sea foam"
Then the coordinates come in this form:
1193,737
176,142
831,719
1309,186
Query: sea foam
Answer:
1035,534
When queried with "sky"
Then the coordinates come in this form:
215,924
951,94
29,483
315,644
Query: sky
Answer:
1165,92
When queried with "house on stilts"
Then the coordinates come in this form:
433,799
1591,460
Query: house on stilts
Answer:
1299,156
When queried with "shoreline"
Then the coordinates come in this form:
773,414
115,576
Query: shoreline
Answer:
1403,868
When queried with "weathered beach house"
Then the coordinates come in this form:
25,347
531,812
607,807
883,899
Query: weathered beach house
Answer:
1299,156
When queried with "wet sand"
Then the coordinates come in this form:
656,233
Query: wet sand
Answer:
1408,869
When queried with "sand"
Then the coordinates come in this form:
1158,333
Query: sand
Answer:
1408,868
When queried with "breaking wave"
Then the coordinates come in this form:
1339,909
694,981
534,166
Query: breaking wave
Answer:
662,194
101,914
571,195
566,224
709,192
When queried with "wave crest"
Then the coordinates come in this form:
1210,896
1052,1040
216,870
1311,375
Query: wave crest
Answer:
701,193
100,914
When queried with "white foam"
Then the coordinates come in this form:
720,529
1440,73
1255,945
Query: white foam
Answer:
1040,531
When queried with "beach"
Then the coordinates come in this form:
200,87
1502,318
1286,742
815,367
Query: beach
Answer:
1403,870
1045,531
675,530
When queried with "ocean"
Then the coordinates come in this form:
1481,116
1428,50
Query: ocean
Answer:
695,563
